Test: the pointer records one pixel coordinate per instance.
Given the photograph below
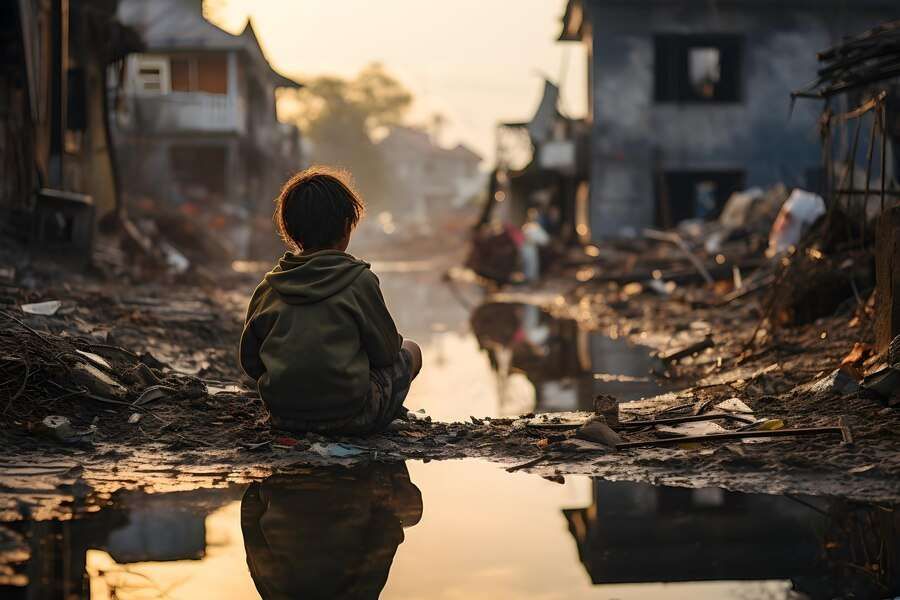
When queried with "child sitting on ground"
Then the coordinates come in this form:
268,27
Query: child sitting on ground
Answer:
318,338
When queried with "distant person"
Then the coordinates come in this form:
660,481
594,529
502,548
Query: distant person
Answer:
327,532
534,236
318,338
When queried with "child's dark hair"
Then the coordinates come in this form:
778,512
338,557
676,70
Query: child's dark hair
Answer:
317,208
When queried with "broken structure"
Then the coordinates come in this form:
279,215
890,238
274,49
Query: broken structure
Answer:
58,168
195,124
688,101
553,179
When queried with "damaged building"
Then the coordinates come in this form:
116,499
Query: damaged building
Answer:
196,126
58,169
688,101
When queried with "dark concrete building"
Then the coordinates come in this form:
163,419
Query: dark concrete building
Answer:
689,100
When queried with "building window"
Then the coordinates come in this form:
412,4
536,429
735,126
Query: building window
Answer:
682,195
202,73
697,68
151,75
212,74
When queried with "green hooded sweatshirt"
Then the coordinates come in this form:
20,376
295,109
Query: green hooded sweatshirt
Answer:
315,326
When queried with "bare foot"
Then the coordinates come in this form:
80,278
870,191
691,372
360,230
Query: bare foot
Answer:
416,353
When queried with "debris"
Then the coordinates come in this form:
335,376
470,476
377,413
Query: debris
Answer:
663,288
134,418
884,382
695,348
285,441
96,381
837,382
696,428
608,407
58,428
638,424
764,425
46,309
95,358
527,464
154,392
861,469
842,428
735,405
800,211
336,450
852,363
597,430
218,387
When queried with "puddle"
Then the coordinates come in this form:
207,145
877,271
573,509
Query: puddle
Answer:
463,529
460,529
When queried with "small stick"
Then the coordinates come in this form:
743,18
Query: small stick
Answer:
525,465
707,342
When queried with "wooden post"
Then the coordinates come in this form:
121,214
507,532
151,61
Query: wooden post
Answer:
887,278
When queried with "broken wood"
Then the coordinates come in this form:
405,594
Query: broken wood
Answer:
526,464
842,428
707,342
637,424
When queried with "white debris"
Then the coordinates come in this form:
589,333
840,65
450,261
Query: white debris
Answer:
734,405
46,309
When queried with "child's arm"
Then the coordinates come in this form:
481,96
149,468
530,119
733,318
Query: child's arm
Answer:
378,332
249,352
252,337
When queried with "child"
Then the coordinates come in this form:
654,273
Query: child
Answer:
318,338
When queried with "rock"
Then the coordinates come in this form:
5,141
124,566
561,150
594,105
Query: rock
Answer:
597,430
58,427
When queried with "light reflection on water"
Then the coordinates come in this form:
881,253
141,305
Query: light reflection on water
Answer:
476,532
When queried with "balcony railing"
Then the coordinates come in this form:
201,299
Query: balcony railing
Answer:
186,112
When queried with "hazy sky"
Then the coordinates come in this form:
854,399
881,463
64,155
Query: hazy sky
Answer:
475,61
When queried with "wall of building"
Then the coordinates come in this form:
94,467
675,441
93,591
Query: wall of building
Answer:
635,138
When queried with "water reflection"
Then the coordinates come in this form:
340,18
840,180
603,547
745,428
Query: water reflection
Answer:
567,365
336,533
328,533
638,533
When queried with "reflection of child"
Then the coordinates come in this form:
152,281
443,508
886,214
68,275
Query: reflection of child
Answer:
327,533
318,338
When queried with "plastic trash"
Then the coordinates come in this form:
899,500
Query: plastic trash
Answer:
337,450
734,405
800,211
46,309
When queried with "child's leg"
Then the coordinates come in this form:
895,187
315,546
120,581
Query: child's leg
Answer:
415,354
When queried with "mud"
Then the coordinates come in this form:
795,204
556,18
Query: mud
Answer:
213,430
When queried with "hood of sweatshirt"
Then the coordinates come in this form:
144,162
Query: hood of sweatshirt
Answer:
310,278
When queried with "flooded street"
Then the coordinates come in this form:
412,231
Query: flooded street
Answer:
541,300
463,528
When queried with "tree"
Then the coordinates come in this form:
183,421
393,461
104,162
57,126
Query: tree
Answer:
341,117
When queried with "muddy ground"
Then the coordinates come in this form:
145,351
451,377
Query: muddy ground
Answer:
171,410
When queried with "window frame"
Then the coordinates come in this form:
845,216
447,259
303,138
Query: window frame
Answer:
671,71
139,80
